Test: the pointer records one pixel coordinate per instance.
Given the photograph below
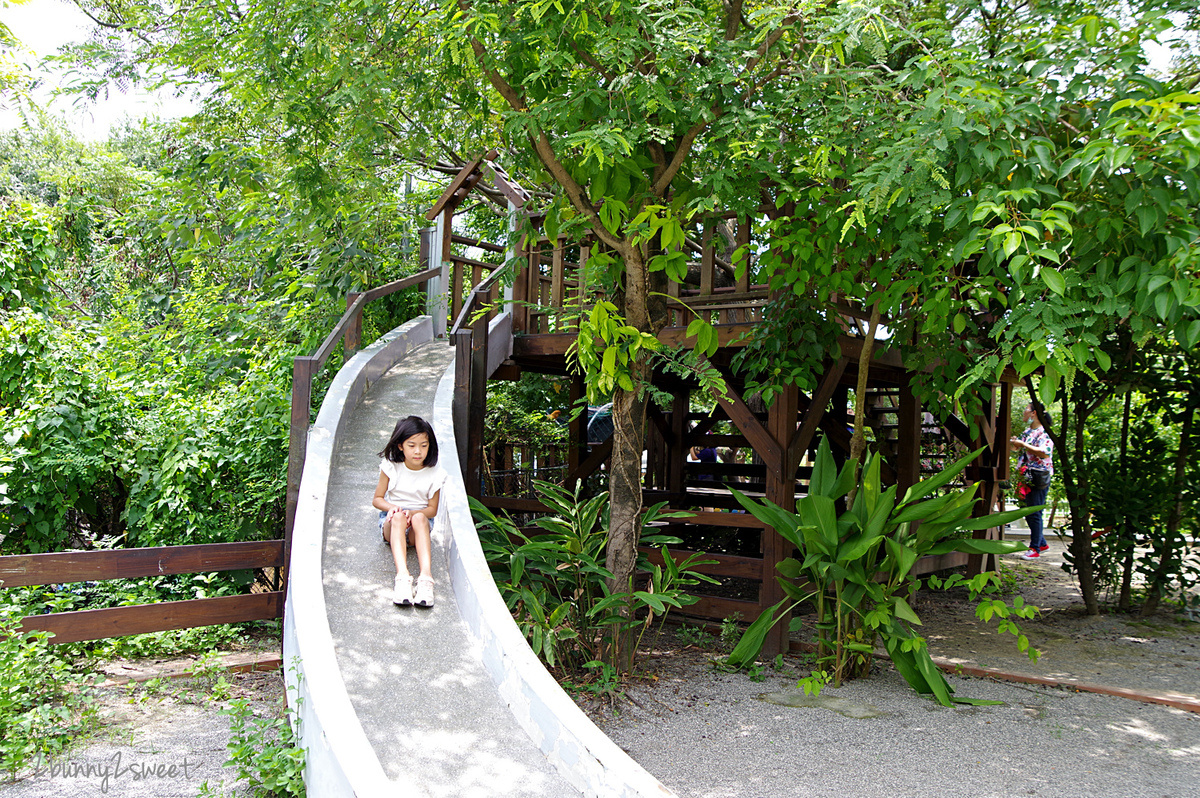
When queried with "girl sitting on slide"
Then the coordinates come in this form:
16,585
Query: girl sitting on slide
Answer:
410,484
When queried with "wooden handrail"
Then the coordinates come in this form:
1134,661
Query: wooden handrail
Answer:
483,289
487,246
306,367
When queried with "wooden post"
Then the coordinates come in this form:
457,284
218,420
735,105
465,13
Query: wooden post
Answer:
743,240
456,275
477,402
985,469
581,281
908,444
521,292
708,260
302,371
678,449
557,289
461,410
576,433
781,489
353,337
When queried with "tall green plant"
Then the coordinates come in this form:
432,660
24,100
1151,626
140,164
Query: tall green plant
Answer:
856,566
556,585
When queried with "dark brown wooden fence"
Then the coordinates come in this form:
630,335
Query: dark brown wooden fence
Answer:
30,570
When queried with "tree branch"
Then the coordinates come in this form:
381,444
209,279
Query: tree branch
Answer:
681,153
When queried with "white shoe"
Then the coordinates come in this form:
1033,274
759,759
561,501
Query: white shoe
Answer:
403,592
424,596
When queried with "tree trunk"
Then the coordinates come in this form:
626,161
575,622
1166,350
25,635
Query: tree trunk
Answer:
1126,533
629,436
1157,586
858,442
1075,480
625,483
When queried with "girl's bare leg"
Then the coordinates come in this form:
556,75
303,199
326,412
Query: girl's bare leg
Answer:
396,531
421,541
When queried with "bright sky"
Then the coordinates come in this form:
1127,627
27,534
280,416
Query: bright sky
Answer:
45,25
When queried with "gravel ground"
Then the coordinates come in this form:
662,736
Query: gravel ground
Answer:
707,734
154,740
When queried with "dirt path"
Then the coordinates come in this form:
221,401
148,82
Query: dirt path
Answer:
1161,653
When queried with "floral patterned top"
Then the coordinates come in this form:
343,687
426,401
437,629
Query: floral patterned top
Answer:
1040,439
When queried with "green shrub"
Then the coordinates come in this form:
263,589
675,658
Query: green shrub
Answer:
44,702
265,751
555,582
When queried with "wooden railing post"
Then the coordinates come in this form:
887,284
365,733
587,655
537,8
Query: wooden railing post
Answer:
477,402
461,408
353,337
302,368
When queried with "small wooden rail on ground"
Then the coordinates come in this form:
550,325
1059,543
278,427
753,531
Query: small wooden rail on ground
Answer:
1189,703
185,667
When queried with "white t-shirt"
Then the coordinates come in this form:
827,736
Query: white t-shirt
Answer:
408,489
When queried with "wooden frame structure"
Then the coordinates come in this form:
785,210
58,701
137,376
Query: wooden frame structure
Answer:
534,333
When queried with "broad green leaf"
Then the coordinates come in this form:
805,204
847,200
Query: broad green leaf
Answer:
1053,280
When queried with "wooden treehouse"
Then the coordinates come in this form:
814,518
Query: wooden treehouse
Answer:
765,450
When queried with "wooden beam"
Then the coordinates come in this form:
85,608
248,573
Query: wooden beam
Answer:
908,441
664,427
677,446
726,564
457,183
803,437
73,627
599,454
25,570
764,445
727,334
720,608
519,505
738,520
958,428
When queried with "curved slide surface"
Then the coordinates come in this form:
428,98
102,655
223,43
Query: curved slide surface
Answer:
410,701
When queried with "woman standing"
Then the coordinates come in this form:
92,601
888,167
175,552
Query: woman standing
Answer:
1035,466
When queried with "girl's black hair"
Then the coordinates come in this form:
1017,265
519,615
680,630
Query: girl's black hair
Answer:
405,429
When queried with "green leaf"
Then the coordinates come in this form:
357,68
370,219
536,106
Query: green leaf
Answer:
1053,280
904,612
748,648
